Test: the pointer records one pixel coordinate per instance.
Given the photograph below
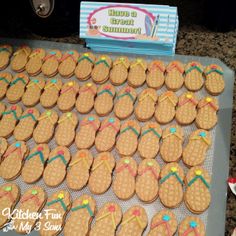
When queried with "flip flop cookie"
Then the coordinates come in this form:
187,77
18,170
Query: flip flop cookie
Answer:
146,186
155,76
163,223
119,71
89,126
124,181
194,153
5,81
214,83
172,140
174,79
124,106
68,63
45,128
17,88
2,108
207,113
27,122
34,164
3,147
146,104
107,220
34,89
103,104
31,202
85,66
193,80
80,219
106,137
9,120
55,171
33,66
85,100
12,160
101,174
134,222
51,93
148,146
59,203
5,54
9,196
171,185
20,58
191,225
165,109
78,173
127,141
197,196
65,132
68,94
137,73
51,63
186,111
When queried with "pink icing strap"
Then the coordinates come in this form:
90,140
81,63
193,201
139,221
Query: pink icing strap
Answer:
107,125
10,151
162,223
128,167
29,197
8,194
190,230
211,104
149,168
89,89
67,56
157,66
92,123
193,101
175,66
67,90
50,56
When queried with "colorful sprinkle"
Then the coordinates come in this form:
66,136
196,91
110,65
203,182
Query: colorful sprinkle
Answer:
60,196
202,134
48,113
166,218
17,145
60,152
71,53
13,108
34,192
91,118
86,54
173,169
111,120
198,172
68,114
208,99
88,84
172,130
149,163
52,53
136,212
70,84
30,111
126,161
8,188
103,58
193,224
85,202
35,81
40,148
111,208
53,81
189,95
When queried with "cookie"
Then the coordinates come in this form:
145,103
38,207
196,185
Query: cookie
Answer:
148,146
68,63
17,88
32,202
51,63
107,219
155,76
163,223
5,81
134,222
197,196
85,138
101,174
9,196
191,225
165,109
33,92
146,186
85,100
172,140
20,58
193,80
9,120
68,95
2,108
127,141
101,69
33,66
12,160
59,203
207,113
106,137
171,185
5,54
45,128
194,153
51,93
85,66
3,147
34,164
186,110
214,83
174,79
124,106
103,104
146,104
124,180
78,172
65,132
82,213
119,71
137,73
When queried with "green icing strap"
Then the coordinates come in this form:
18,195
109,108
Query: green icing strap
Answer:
17,80
169,175
201,178
58,200
214,70
82,207
130,128
85,58
56,157
126,94
193,68
9,112
5,80
102,61
27,115
105,91
35,154
151,130
4,50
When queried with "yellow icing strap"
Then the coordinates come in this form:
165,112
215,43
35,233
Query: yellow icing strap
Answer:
121,61
201,138
35,53
78,161
67,118
106,215
21,50
32,84
102,163
46,116
169,98
147,95
51,85
134,217
173,132
138,62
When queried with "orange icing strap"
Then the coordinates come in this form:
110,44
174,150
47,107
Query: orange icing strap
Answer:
175,65
157,65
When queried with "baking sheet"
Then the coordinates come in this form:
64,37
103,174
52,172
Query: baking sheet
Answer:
217,161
